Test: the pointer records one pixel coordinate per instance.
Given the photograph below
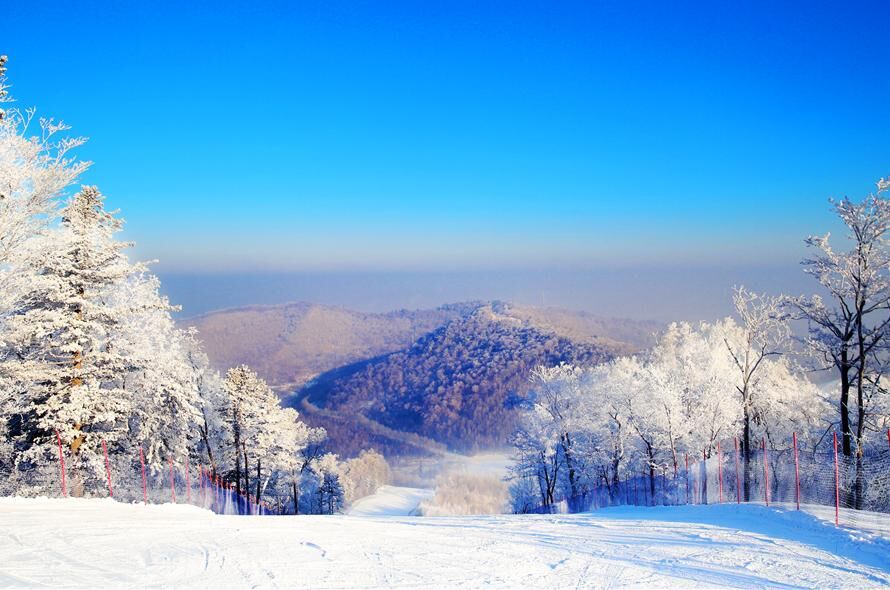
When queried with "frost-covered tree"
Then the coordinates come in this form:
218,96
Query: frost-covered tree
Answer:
326,489
248,399
302,478
60,350
642,414
262,432
762,333
607,421
161,381
848,329
538,437
214,433
680,400
35,171
36,168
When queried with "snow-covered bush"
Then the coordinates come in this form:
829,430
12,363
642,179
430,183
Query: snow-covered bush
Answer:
459,493
363,475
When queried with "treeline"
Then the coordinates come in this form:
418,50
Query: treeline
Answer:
747,378
91,359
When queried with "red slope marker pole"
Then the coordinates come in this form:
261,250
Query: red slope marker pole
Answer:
796,472
720,470
704,478
765,473
107,468
144,486
888,436
687,478
188,484
172,481
62,465
837,486
738,480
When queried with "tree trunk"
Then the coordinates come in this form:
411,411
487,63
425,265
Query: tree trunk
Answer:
570,465
651,455
296,499
746,449
205,437
258,480
845,400
237,470
860,433
704,478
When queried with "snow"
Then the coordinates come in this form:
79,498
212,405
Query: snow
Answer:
391,501
100,543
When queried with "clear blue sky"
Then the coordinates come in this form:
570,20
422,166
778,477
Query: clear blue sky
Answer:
419,135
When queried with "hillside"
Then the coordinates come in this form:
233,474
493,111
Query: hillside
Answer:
456,386
406,382
290,344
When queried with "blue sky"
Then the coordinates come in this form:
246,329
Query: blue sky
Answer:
339,136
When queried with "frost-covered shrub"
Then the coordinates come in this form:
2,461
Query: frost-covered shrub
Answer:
363,475
523,495
460,493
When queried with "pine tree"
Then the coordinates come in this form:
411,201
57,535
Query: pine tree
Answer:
61,354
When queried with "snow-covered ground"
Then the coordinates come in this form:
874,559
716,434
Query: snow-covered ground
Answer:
391,501
100,543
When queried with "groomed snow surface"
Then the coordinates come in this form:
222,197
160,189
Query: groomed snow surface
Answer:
101,543
391,501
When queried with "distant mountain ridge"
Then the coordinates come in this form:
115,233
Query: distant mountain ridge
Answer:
290,344
412,381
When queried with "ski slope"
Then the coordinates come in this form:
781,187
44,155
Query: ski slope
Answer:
100,543
391,501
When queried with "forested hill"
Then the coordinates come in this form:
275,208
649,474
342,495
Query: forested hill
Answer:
456,385
411,380
290,344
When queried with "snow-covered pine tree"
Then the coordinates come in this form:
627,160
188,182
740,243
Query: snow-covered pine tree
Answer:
161,382
60,354
35,171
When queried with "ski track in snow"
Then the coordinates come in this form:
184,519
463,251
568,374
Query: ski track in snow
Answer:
100,543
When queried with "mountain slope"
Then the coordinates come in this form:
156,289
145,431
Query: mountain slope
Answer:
290,344
457,385
409,382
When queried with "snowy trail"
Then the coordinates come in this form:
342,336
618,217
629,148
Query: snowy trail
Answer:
90,543
391,501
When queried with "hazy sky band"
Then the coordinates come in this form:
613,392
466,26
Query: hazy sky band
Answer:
368,135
